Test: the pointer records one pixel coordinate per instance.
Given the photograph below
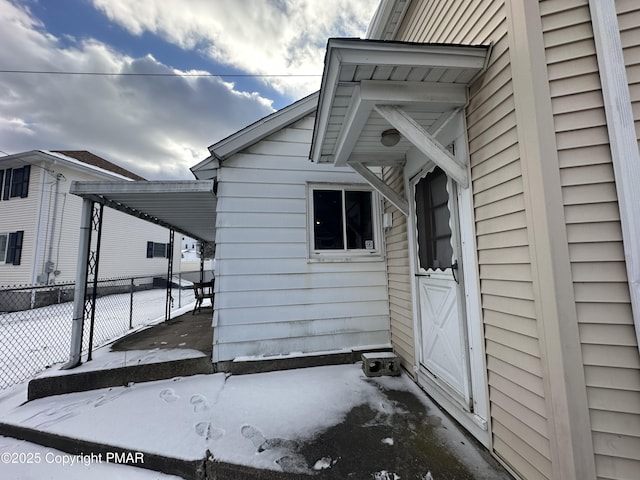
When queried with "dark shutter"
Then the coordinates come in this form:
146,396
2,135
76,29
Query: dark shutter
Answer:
149,249
1,179
7,185
14,250
25,181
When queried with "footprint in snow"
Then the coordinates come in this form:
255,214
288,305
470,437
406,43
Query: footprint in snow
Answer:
169,395
199,403
253,434
208,431
108,397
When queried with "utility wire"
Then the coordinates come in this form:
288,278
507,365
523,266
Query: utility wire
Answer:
119,74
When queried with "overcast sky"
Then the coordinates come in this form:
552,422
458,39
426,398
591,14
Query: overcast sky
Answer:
268,53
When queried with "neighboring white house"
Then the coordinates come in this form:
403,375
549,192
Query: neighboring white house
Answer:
190,257
39,222
300,256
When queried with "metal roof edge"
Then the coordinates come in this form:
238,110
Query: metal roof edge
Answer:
53,158
82,187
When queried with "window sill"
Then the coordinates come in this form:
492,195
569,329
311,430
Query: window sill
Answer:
346,258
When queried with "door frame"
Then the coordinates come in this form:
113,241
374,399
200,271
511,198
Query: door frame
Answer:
476,422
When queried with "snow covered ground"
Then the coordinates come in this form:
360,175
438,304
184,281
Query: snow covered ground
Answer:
35,339
50,464
256,420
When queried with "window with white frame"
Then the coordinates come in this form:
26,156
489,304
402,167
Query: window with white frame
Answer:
342,221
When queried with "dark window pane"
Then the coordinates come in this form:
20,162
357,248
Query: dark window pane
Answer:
16,182
440,217
327,220
439,195
359,220
159,250
432,211
443,253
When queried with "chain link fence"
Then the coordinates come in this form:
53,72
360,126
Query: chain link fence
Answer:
35,320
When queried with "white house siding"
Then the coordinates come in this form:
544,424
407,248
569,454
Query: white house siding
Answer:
610,353
22,214
519,424
269,298
399,275
124,238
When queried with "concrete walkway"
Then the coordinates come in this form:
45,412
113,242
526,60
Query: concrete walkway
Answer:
389,429
257,426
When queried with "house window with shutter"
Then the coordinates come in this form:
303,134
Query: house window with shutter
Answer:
14,182
11,247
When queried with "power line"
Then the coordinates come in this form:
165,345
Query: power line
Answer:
120,74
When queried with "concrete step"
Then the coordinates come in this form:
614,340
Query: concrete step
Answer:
114,377
206,468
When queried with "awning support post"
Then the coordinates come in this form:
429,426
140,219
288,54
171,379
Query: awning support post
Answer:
77,326
93,263
169,298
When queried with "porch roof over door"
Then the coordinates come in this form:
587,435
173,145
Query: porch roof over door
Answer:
371,86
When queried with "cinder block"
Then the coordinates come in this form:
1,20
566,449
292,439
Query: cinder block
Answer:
377,364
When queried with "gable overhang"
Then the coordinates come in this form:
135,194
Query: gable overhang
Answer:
371,86
264,127
252,134
185,206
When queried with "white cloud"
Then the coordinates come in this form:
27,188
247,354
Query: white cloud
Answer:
256,36
157,127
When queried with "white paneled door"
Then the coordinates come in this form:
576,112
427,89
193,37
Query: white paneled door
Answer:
443,335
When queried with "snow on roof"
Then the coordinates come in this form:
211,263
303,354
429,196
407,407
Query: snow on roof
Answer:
93,162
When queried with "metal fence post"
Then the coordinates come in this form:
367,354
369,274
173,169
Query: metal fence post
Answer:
131,306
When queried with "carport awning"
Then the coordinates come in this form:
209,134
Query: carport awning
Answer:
186,206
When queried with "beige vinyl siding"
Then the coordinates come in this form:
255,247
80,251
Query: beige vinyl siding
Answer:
270,299
399,276
22,214
610,353
519,424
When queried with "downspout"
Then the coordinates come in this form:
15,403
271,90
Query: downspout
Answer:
38,254
622,139
48,267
